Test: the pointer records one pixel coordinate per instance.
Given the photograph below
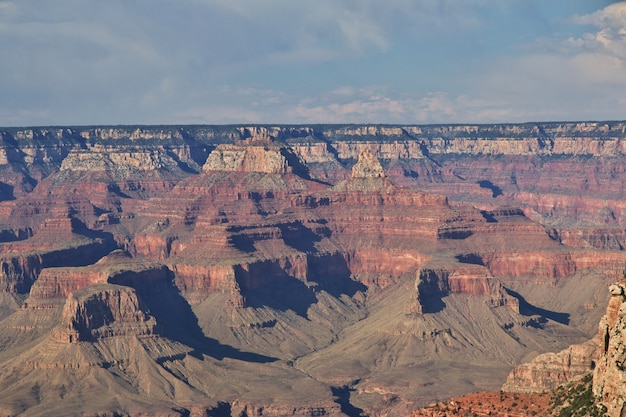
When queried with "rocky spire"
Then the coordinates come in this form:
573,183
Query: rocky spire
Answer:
368,166
609,379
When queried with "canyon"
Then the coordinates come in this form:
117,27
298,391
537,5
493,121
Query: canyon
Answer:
305,270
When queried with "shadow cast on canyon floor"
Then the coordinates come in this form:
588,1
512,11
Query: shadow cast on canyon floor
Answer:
342,397
433,303
329,273
495,190
333,275
284,294
292,294
528,309
300,237
177,322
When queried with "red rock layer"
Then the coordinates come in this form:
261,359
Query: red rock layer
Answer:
20,270
439,281
495,404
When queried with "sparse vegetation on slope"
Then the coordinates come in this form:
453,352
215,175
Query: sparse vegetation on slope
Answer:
576,400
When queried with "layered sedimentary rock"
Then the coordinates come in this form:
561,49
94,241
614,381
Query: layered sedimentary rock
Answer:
433,282
537,166
117,268
367,166
603,355
21,269
609,378
259,154
341,259
103,311
549,370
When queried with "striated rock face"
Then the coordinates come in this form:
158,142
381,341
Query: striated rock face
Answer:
116,268
549,370
368,166
258,154
609,378
54,283
121,161
21,269
437,282
534,165
272,270
604,355
102,311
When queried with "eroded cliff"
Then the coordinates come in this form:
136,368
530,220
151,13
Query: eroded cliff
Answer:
609,377
603,356
297,270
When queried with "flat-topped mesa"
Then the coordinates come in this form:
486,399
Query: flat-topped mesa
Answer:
101,174
435,281
114,159
116,268
21,269
260,153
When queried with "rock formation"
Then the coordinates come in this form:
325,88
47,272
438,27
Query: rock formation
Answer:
609,378
436,282
549,370
603,355
367,166
300,270
103,311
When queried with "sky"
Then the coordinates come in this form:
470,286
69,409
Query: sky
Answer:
94,62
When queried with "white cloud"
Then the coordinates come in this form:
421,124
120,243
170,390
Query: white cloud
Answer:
353,106
611,17
7,6
294,61
610,39
219,115
582,77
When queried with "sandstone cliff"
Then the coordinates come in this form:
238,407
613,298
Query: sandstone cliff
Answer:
609,378
602,355
435,282
103,311
549,370
258,154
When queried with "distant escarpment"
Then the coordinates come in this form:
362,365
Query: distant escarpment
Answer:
300,270
568,176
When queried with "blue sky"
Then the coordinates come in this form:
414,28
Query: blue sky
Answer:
80,62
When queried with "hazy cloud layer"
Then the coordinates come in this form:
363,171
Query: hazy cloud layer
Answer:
300,61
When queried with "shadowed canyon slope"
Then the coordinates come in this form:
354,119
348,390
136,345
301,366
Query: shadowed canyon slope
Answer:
324,270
